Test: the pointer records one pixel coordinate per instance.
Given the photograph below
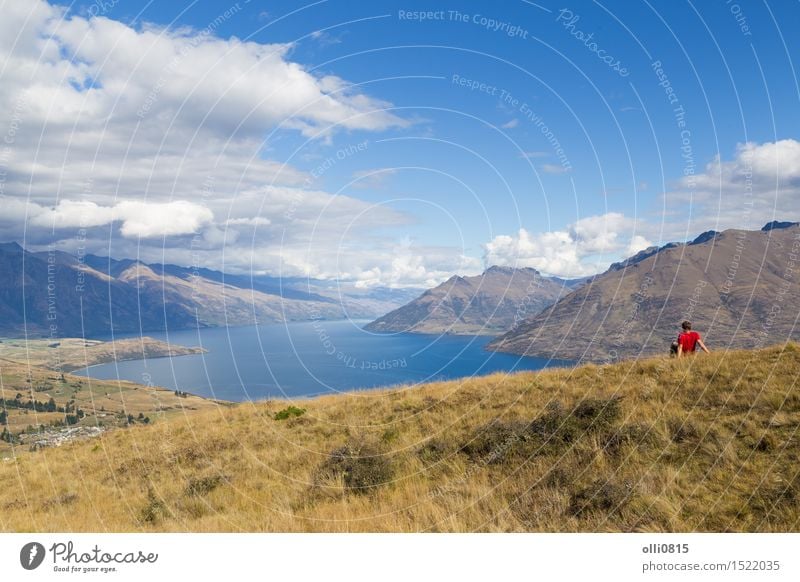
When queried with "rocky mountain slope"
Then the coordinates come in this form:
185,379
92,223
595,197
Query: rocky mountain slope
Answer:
59,295
490,303
738,287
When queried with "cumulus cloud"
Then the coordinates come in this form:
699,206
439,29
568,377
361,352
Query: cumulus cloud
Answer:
760,183
137,219
576,251
96,109
144,132
256,221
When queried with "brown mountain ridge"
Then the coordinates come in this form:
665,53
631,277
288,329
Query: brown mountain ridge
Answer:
490,303
738,287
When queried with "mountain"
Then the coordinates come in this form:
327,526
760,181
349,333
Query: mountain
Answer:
57,294
738,287
485,304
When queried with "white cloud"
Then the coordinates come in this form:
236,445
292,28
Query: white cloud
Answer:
256,221
100,110
325,39
147,220
138,219
510,124
148,132
638,243
760,183
553,169
70,214
581,249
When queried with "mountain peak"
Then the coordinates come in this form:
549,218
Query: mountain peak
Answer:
638,257
11,247
506,269
778,224
704,237
138,270
485,304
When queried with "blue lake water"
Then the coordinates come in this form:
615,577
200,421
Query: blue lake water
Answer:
310,358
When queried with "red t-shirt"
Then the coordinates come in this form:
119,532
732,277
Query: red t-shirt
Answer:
688,340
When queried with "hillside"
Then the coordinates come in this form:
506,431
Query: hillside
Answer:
42,407
699,444
738,287
490,303
55,294
69,354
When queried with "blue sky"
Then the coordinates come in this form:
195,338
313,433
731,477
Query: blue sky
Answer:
501,133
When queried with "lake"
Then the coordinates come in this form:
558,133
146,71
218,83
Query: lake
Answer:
310,358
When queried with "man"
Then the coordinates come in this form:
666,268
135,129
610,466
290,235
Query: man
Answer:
689,340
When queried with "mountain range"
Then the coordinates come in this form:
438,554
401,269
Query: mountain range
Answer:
58,294
738,287
490,303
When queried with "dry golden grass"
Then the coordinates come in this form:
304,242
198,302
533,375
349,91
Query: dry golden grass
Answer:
104,402
708,443
68,354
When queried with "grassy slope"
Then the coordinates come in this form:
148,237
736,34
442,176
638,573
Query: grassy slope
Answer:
76,353
705,443
105,402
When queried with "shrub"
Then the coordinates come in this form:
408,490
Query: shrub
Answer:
389,435
203,485
596,414
628,435
289,412
495,441
154,510
361,465
548,433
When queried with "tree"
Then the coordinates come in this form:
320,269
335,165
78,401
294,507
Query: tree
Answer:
7,436
3,417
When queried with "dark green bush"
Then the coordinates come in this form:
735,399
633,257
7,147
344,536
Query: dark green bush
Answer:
154,510
630,435
496,441
362,466
203,485
289,412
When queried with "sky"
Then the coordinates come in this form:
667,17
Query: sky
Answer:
392,143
